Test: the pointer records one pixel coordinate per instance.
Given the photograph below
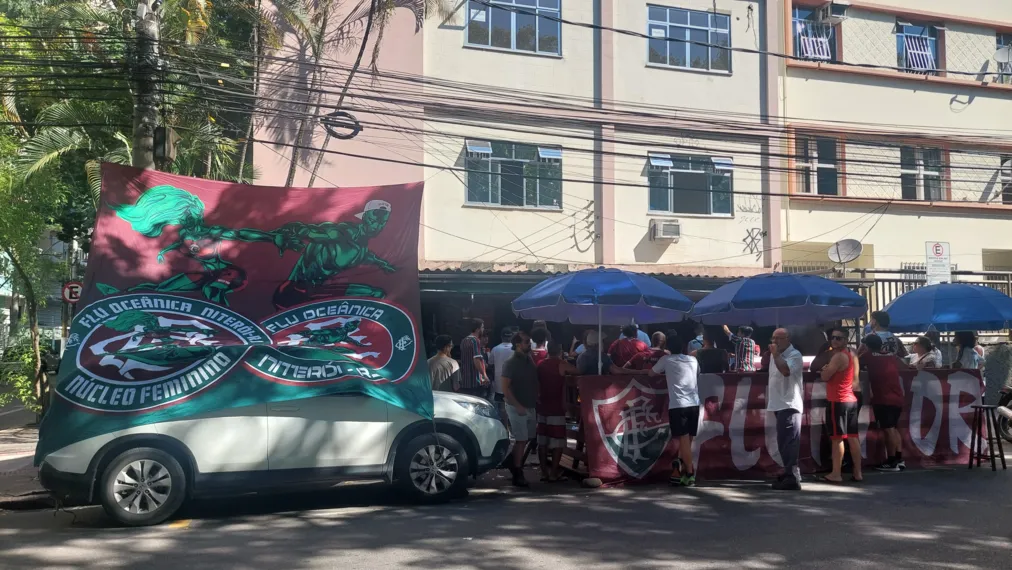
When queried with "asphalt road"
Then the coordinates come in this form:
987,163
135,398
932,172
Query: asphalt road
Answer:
929,519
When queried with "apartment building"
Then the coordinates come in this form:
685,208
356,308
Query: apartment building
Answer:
699,140
898,117
549,139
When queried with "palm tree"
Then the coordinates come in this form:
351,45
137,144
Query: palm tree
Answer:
316,36
376,15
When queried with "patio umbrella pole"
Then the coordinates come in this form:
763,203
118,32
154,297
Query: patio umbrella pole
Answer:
600,341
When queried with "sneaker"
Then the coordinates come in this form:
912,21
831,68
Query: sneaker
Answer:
890,466
787,485
521,482
901,466
688,480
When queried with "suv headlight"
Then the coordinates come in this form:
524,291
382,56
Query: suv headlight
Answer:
479,409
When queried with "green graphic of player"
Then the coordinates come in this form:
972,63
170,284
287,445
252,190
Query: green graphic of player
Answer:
318,343
332,248
147,344
163,206
129,321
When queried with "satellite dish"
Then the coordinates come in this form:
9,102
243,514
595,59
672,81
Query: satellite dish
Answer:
1003,54
845,251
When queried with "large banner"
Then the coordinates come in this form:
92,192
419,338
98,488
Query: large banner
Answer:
628,440
203,295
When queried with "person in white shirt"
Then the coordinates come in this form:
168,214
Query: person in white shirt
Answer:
497,358
786,400
925,354
682,374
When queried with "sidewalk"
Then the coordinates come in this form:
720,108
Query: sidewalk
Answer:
19,479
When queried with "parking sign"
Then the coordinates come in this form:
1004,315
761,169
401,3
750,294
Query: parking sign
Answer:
71,292
938,264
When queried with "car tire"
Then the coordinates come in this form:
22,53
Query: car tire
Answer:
432,468
142,487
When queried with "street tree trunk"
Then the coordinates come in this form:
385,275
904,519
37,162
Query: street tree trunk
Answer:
347,84
258,52
32,306
314,86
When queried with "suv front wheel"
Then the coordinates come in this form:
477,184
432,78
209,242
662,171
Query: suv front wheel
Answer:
142,487
432,468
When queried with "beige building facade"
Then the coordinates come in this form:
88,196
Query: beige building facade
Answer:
550,142
690,138
897,132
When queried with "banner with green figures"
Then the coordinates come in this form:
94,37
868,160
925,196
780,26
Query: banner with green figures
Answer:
201,296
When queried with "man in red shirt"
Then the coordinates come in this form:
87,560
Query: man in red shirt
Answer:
539,345
647,360
551,410
841,414
886,398
624,349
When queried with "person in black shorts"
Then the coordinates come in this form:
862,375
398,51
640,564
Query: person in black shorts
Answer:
681,372
887,398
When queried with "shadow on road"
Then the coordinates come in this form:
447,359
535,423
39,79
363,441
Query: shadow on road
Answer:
910,520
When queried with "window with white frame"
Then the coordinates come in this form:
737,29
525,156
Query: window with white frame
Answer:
817,165
1005,178
681,184
813,39
517,25
689,39
513,175
917,47
1004,45
921,173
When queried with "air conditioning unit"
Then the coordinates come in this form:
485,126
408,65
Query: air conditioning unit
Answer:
833,13
665,230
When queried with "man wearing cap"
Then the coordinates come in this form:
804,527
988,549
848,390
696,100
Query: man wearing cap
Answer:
332,248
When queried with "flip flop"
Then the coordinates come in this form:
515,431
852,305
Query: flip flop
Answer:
824,479
856,480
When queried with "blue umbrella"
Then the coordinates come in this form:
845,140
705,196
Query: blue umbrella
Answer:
776,299
602,297
950,307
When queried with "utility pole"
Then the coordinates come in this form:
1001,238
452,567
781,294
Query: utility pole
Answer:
145,72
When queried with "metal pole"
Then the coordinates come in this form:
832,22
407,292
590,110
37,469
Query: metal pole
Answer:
145,80
600,341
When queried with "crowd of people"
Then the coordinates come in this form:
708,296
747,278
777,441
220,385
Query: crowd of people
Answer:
524,376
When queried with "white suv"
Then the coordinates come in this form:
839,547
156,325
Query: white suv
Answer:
142,475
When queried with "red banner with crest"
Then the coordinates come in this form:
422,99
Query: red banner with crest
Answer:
628,440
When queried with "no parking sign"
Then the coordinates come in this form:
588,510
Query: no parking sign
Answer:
71,292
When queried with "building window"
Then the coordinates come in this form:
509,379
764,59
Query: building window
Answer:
817,165
1004,44
917,47
813,39
515,25
921,173
683,38
1005,176
690,184
513,175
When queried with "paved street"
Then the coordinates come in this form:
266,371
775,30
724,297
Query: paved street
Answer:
929,519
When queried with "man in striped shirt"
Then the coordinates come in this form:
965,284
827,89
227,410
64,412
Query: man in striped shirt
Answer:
473,376
745,349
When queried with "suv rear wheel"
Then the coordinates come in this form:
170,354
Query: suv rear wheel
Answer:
142,487
432,468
